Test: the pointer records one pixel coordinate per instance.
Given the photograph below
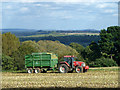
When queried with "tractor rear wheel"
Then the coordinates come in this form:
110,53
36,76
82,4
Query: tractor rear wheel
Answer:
78,69
63,68
30,70
37,70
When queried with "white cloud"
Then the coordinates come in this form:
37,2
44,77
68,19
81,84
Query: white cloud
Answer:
109,11
42,5
67,17
102,5
54,8
105,5
8,7
48,6
61,14
115,14
92,1
24,9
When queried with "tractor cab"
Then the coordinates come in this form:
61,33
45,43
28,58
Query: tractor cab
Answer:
69,60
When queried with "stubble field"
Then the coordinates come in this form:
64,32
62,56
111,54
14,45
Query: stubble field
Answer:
94,78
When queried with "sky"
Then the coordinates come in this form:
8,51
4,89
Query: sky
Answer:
59,15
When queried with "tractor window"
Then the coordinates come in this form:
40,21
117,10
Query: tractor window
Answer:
73,59
67,59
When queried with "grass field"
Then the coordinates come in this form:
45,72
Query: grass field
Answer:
94,78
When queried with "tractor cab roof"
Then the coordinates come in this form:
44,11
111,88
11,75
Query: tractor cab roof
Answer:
69,56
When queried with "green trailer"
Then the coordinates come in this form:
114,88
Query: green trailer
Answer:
41,62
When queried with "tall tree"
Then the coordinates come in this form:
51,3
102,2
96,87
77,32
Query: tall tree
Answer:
95,51
10,43
25,48
110,42
77,46
7,63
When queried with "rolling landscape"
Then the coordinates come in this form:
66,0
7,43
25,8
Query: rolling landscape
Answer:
103,72
83,37
59,45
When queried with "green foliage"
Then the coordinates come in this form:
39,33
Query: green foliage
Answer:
10,43
56,47
27,47
7,63
91,52
79,48
95,51
95,54
110,42
103,62
106,44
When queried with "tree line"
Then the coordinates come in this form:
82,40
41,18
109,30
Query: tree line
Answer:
81,39
105,52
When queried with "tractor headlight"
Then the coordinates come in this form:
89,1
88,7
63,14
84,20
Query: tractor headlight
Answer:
83,64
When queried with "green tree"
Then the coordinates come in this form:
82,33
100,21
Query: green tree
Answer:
56,47
10,43
79,48
104,62
7,63
95,51
110,42
29,47
26,47
91,53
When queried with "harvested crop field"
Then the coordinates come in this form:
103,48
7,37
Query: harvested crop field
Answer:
94,78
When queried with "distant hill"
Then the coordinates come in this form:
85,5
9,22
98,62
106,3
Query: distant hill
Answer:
28,32
83,37
73,31
20,32
16,30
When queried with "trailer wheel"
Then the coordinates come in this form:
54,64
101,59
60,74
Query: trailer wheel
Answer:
37,70
78,69
63,68
30,70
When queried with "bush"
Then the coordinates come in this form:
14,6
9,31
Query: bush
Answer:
7,63
103,62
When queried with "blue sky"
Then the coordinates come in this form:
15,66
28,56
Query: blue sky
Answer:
59,15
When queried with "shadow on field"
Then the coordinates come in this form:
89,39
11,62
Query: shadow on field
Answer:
60,88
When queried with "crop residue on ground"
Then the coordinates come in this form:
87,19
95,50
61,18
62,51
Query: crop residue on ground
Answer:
91,79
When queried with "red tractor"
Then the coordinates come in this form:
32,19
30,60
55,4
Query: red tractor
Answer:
69,64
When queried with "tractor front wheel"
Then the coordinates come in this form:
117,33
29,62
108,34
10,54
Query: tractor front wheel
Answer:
63,68
79,69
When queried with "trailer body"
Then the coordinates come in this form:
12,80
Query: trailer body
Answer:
41,60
